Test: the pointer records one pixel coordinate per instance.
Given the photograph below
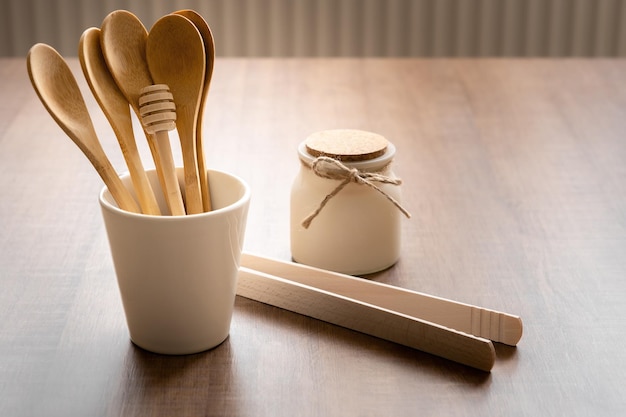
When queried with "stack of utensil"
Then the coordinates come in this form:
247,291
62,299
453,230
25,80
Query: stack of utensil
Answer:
163,76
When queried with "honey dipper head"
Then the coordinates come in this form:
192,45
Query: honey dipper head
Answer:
157,108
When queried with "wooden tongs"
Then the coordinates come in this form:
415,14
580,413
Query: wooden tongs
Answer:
460,332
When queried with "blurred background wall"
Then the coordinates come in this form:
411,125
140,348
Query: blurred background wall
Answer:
537,28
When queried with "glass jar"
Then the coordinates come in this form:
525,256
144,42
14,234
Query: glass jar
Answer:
345,203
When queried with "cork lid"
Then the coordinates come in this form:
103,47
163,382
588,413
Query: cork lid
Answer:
346,144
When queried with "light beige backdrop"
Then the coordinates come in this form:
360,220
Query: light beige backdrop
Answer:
346,27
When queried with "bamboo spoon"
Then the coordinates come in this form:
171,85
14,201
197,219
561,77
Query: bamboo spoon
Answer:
209,50
58,90
123,41
116,109
158,115
174,42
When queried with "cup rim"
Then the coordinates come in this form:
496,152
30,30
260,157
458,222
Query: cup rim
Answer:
105,204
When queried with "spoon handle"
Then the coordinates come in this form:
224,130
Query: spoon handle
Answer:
120,193
202,172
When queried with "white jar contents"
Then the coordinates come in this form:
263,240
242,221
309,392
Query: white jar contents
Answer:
345,203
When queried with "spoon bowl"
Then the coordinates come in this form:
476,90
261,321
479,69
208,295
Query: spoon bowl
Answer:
123,41
58,90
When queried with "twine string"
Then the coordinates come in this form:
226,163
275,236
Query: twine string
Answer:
333,169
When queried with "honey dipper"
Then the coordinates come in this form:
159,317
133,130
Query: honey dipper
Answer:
158,116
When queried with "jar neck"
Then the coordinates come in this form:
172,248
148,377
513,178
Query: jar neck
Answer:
377,164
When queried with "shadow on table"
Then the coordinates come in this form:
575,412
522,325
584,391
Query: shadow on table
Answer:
169,385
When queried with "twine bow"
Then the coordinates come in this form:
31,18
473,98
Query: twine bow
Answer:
333,169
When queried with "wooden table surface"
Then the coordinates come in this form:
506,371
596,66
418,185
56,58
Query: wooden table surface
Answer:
514,171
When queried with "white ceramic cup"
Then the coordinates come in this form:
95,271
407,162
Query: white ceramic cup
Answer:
177,275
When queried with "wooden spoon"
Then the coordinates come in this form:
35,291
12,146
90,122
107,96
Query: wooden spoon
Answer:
175,55
59,92
209,50
116,109
123,40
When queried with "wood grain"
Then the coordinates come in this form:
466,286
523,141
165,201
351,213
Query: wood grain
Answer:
514,172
